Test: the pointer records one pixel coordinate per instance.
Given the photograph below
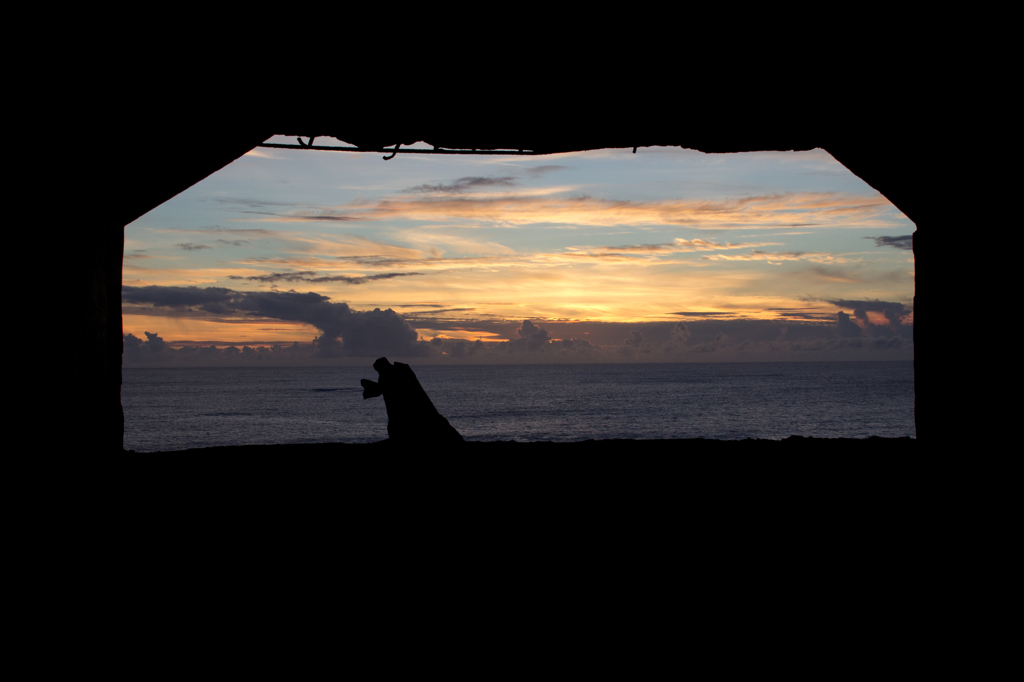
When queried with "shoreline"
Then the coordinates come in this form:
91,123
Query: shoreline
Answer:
590,446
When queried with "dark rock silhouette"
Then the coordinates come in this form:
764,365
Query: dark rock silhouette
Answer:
411,415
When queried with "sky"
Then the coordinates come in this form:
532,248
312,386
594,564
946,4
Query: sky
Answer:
666,254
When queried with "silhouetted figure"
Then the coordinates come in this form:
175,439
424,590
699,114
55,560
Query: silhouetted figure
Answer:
411,415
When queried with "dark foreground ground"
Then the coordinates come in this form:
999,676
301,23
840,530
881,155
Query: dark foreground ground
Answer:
846,501
380,478
850,527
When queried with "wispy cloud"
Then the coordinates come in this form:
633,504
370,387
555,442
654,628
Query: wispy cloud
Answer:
838,275
417,313
462,185
255,203
767,211
304,216
774,257
676,246
539,171
337,246
493,255
310,276
435,242
559,206
250,232
374,261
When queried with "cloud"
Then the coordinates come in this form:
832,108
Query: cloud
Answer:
905,242
458,348
254,203
302,217
832,275
345,331
333,252
136,349
531,337
436,312
155,351
701,340
537,342
299,211
632,251
176,297
894,312
635,342
340,246
845,328
463,185
538,171
310,276
778,256
156,343
461,348
720,341
679,335
555,206
435,242
193,247
256,231
573,344
830,209
705,245
808,314
374,261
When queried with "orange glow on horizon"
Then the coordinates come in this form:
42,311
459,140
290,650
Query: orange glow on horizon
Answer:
175,330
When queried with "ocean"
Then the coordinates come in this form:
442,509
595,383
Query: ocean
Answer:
180,408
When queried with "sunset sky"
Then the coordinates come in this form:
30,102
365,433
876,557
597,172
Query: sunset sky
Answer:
607,247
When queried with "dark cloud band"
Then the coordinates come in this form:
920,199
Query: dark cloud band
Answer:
345,331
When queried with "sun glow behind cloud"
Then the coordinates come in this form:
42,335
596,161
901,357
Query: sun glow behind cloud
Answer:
602,237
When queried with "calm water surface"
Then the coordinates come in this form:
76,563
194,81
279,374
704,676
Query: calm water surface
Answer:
179,408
